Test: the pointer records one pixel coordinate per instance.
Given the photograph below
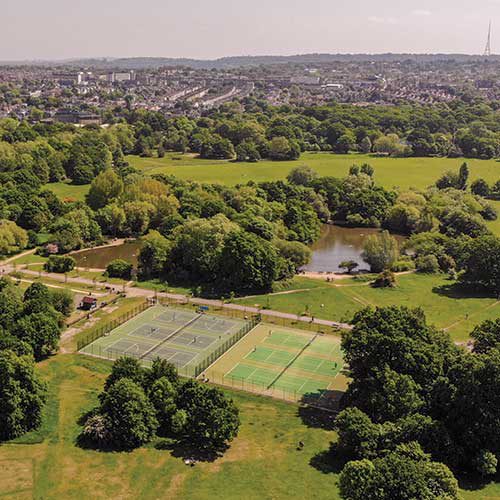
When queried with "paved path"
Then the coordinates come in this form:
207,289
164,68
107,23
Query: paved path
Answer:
142,292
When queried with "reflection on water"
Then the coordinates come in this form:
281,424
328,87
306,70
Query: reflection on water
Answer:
101,257
338,244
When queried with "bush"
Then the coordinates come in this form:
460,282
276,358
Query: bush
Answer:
386,279
59,264
486,463
119,268
401,266
62,301
427,264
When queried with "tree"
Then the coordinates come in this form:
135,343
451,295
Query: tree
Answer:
104,189
427,264
138,216
401,474
394,337
281,148
153,255
486,336
37,292
248,262
125,367
386,279
348,265
345,143
88,156
163,395
448,180
358,436
41,331
480,187
366,145
295,251
62,301
247,151
302,176
380,251
197,247
119,268
59,264
302,221
481,263
388,144
212,419
130,418
22,395
12,237
463,176
112,219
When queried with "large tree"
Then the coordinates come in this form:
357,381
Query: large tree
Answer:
22,395
129,416
212,419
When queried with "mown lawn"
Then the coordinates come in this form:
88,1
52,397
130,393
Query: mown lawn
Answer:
389,172
68,191
401,173
446,305
262,462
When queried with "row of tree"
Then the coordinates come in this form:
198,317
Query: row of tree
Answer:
30,328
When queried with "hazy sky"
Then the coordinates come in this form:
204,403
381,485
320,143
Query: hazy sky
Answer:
37,29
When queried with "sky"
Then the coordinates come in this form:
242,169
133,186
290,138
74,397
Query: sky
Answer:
207,29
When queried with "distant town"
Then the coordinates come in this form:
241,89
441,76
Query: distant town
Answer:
83,92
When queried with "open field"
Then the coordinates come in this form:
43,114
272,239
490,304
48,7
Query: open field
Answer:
446,305
284,363
389,172
69,191
182,337
262,462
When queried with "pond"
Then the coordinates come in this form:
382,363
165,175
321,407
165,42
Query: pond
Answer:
99,258
338,244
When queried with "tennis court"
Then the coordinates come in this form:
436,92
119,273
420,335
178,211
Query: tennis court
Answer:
187,339
290,364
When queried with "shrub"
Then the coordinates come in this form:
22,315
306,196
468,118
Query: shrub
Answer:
59,264
427,264
119,268
386,279
401,266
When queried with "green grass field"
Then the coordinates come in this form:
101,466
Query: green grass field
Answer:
68,191
261,463
445,305
389,172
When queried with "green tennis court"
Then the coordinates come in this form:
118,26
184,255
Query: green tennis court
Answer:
290,361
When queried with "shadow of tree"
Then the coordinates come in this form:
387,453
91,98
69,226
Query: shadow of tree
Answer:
328,461
474,482
185,450
461,291
316,418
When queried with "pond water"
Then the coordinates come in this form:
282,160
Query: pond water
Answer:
338,244
99,258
